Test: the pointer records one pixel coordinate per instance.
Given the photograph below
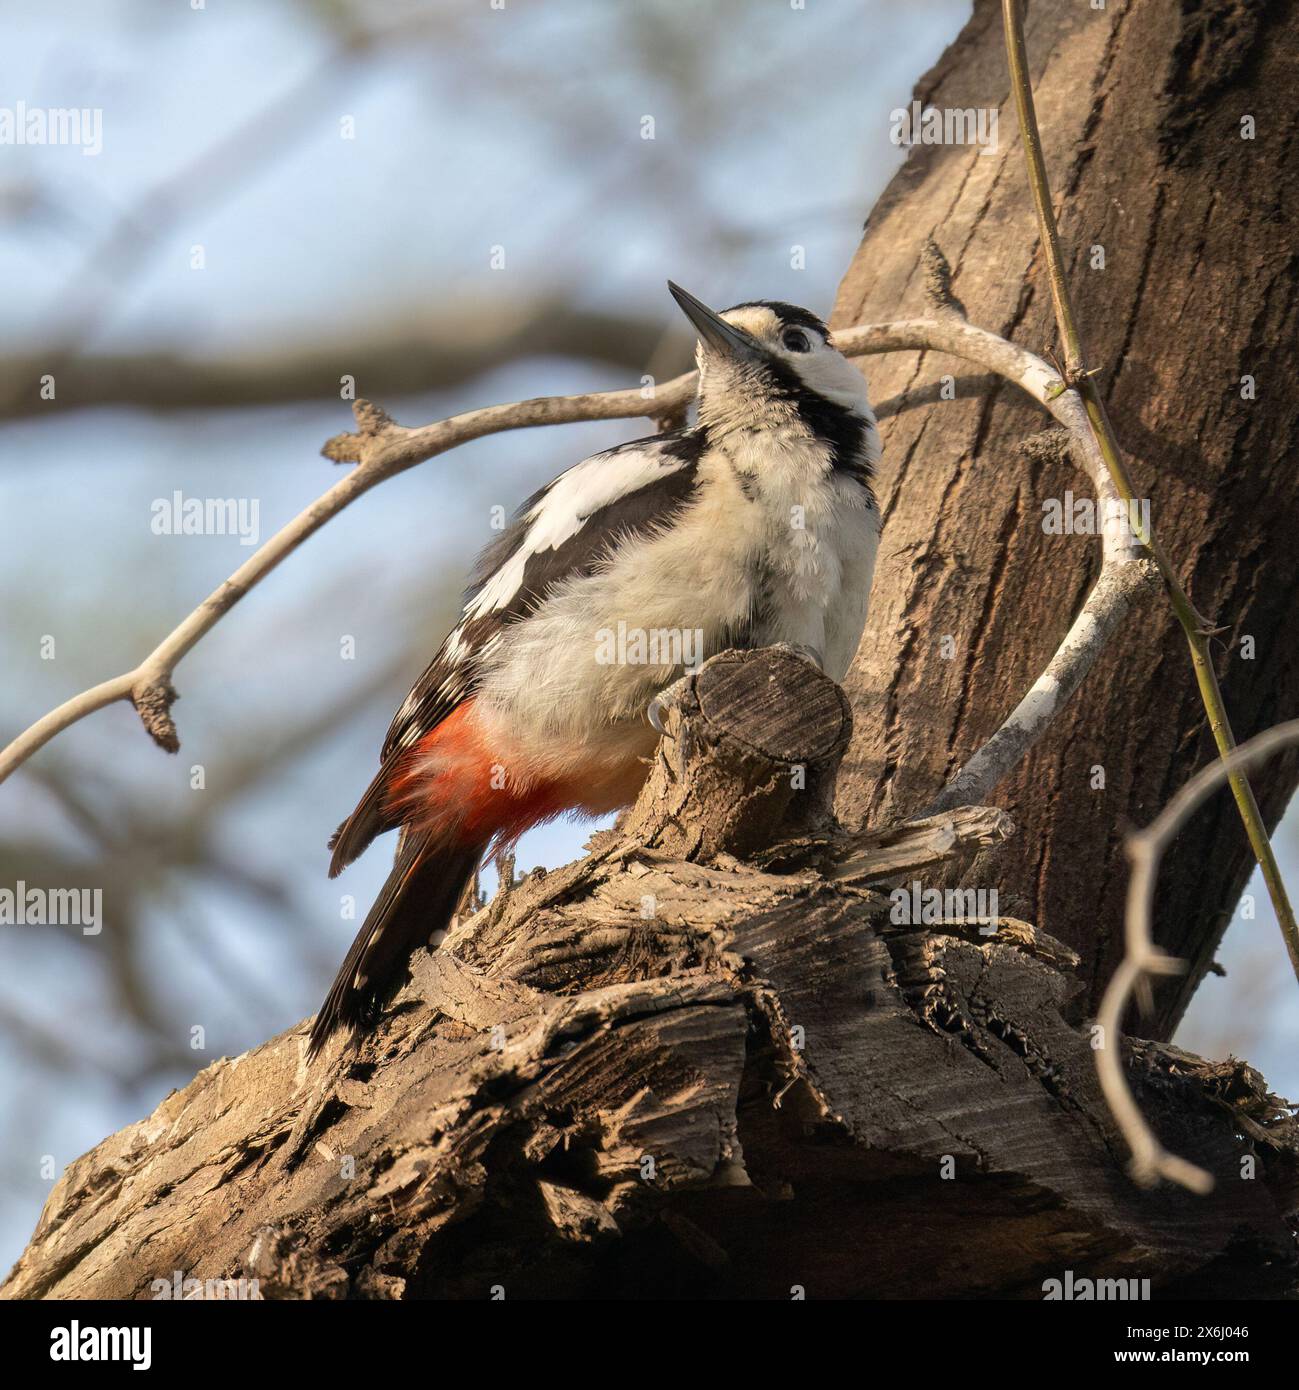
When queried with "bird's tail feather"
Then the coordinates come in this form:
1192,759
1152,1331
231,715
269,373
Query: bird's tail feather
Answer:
418,899
370,819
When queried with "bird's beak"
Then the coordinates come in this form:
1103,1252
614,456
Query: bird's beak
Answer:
712,329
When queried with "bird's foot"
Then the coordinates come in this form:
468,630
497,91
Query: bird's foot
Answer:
658,706
803,652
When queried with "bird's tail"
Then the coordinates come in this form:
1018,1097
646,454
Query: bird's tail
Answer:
419,898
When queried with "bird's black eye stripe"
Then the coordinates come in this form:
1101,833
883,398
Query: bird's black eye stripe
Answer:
795,340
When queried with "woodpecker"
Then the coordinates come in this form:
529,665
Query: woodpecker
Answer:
755,525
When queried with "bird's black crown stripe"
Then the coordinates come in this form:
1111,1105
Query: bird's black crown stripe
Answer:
790,315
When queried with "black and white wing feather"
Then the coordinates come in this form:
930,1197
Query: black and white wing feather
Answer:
567,529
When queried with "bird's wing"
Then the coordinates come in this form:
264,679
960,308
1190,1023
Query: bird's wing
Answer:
565,530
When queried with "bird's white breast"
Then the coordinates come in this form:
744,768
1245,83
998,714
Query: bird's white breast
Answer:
774,547
814,534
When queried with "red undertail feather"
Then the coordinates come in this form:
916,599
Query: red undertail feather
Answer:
453,797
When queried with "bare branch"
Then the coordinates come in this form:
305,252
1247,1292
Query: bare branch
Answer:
1122,579
382,448
894,850
1108,604
1150,1161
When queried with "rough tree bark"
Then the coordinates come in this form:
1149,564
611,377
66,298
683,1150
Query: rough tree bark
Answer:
1141,106
703,1060
706,1059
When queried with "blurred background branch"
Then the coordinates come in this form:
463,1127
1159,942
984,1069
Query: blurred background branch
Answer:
446,345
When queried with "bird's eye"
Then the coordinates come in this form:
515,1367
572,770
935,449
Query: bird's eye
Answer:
795,340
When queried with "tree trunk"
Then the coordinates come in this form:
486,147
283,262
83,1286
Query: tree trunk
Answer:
703,1061
1141,107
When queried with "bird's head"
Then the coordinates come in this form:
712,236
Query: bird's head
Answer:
765,360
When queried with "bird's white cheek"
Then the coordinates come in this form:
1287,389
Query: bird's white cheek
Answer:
837,379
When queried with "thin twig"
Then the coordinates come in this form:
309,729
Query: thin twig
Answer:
1121,582
1197,630
1145,849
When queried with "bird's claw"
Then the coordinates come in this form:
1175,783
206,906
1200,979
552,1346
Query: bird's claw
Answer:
804,652
667,696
